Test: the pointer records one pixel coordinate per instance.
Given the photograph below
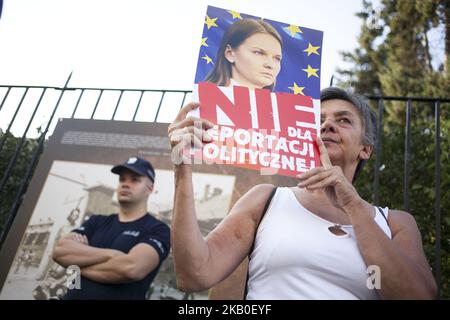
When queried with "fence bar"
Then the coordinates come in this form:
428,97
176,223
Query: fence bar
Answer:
376,183
371,97
78,102
96,104
417,99
159,107
97,89
2,142
437,201
137,107
184,98
407,157
117,105
4,98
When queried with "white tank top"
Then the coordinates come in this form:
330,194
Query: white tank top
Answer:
296,257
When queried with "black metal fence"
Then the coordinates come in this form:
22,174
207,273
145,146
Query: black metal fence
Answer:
38,107
434,105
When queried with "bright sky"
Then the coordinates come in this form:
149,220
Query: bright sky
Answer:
143,43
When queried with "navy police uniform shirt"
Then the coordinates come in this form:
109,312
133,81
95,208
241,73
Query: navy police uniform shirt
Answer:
108,232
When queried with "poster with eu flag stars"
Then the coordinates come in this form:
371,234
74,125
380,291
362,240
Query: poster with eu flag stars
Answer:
300,59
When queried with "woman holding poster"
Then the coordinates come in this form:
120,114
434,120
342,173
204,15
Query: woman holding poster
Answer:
249,55
316,240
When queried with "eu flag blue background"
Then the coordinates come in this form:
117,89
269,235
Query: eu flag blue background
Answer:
302,51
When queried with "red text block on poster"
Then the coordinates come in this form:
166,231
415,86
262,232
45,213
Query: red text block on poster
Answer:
273,132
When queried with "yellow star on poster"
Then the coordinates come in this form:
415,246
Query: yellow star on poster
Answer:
311,49
210,22
311,71
297,89
294,30
236,15
204,42
208,59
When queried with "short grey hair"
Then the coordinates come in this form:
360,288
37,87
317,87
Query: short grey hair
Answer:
368,117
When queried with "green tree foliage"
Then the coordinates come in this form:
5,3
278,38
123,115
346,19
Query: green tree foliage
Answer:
17,173
395,58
